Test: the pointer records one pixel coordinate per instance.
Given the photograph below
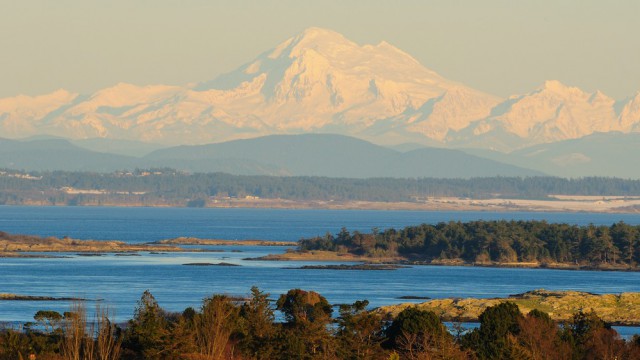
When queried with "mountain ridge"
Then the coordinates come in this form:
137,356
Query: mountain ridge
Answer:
321,82
322,155
334,155
307,154
599,154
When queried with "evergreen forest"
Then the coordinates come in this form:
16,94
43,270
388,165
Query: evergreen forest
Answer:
169,187
493,242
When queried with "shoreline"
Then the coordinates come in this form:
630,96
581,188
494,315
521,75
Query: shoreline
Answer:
27,246
616,309
571,204
329,256
18,297
220,242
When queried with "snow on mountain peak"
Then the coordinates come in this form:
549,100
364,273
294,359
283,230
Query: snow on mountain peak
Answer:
556,87
320,81
388,48
630,114
554,112
326,42
318,78
599,97
36,103
317,37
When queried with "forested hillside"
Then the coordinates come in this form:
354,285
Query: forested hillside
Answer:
170,187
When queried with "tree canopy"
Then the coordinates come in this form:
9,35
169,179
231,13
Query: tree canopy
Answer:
493,241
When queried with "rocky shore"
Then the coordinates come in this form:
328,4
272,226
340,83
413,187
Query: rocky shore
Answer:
16,297
327,256
349,267
221,242
615,309
29,246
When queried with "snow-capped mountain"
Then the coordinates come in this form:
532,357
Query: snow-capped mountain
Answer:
24,115
629,118
320,82
553,112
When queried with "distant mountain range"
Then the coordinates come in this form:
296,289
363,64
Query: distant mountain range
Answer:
332,156
57,154
601,154
320,82
299,155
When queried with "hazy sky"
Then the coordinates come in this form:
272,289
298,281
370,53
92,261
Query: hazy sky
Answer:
502,47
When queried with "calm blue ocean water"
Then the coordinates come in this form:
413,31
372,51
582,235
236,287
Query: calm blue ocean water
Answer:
119,281
150,224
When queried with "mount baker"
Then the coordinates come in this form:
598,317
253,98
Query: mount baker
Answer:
320,82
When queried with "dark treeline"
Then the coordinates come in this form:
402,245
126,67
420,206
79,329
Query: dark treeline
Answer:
224,328
493,241
169,186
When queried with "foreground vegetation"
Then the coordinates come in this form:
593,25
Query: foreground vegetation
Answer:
526,243
167,187
224,328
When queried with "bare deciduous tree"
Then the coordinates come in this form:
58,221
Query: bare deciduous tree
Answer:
214,326
95,340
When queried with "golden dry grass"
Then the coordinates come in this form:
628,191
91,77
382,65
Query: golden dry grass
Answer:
621,308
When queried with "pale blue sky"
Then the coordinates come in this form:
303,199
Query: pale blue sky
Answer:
499,46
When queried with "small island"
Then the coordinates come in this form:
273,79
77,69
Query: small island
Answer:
525,244
210,264
30,246
17,245
326,255
375,267
221,242
17,297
